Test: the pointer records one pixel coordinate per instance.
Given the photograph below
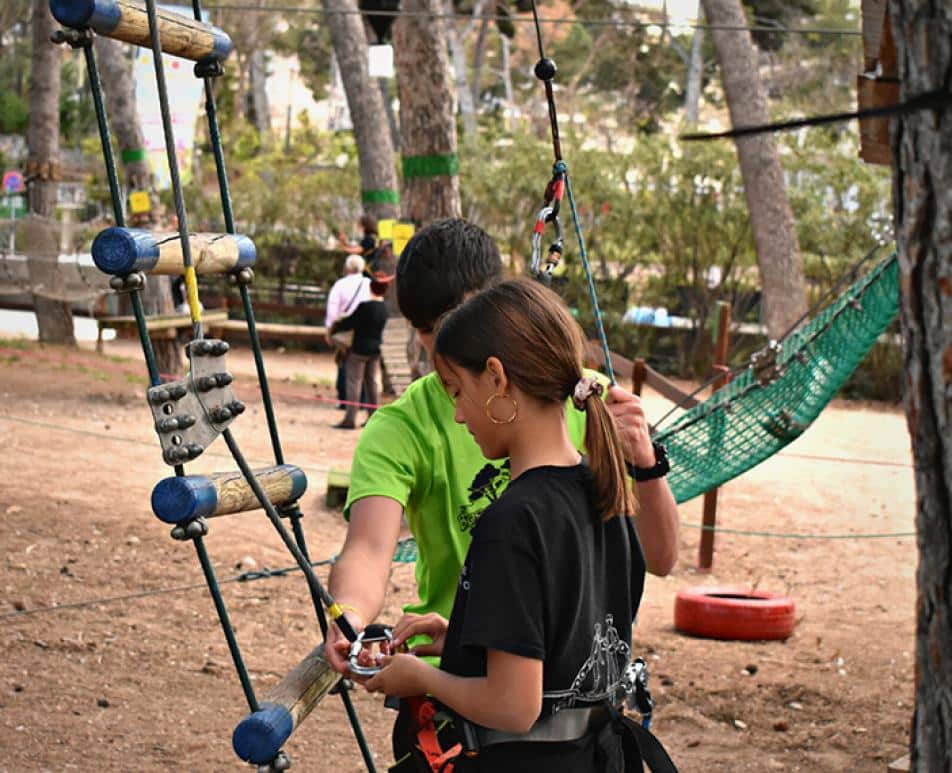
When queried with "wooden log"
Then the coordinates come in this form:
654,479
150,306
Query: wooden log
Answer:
128,21
706,548
259,736
120,251
180,499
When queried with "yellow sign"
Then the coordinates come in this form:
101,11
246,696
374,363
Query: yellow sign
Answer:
401,235
385,228
140,202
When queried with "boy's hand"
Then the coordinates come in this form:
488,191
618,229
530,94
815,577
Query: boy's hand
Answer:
632,426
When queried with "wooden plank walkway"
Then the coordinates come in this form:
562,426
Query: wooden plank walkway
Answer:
393,352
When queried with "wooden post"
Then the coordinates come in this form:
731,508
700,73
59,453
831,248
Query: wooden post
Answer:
128,21
182,498
706,549
639,374
120,251
259,736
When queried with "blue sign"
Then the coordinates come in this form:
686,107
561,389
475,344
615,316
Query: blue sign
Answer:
12,182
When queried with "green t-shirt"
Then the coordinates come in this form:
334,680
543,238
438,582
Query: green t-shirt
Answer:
415,453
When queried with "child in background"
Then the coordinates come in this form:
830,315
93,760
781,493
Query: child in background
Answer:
541,622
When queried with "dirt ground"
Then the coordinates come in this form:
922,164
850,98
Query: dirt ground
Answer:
146,683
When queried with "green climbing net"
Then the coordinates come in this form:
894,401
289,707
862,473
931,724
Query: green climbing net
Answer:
782,391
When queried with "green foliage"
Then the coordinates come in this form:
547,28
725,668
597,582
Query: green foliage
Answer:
14,113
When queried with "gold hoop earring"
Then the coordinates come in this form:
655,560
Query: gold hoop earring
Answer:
493,419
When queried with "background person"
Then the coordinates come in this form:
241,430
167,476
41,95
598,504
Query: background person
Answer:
346,294
360,365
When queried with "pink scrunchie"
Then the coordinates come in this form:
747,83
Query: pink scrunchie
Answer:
584,389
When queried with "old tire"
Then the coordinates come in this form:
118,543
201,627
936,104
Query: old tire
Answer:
733,613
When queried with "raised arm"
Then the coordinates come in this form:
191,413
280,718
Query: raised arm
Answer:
358,580
657,520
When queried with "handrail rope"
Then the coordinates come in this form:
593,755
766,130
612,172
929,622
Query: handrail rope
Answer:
830,295
268,574
613,22
545,71
191,286
325,470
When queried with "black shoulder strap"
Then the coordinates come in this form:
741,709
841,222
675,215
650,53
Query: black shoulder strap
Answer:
641,746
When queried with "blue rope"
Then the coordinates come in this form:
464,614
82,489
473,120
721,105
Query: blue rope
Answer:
561,168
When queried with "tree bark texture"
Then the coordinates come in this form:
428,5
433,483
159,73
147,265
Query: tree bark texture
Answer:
427,113
115,68
775,234
922,196
692,91
53,317
367,110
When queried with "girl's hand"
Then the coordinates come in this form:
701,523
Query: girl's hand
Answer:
431,624
402,676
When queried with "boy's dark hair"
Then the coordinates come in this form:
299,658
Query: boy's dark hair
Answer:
441,264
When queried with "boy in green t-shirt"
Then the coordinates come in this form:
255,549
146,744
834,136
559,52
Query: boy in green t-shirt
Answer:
414,457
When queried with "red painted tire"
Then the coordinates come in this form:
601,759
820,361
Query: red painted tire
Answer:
733,613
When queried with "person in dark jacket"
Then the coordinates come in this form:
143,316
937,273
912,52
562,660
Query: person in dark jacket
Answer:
367,321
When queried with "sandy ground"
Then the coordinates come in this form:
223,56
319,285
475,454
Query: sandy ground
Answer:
145,683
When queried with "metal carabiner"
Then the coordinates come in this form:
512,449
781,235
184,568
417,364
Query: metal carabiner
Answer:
548,214
372,634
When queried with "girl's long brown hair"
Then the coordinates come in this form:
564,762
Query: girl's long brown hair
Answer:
541,346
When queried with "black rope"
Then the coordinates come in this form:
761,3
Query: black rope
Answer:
613,22
197,330
929,100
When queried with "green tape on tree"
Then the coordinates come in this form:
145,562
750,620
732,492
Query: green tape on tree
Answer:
431,166
134,155
383,196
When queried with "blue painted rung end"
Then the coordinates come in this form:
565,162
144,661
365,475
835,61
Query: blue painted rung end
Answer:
259,737
120,251
180,499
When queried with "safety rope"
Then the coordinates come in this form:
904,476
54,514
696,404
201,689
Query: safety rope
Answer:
545,71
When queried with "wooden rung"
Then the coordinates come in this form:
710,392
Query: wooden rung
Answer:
183,498
259,736
120,251
128,21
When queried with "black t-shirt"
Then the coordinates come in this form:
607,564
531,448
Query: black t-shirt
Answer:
546,578
367,322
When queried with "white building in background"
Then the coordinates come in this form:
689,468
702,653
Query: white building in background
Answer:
289,98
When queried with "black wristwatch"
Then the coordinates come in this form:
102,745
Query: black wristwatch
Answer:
659,470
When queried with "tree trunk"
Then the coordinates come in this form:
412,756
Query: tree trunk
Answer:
116,70
457,46
922,144
378,178
692,92
53,317
775,234
259,96
427,114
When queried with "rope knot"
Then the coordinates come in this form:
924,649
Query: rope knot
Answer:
584,389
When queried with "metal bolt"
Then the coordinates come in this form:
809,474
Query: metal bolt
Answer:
206,383
224,379
178,391
237,407
178,532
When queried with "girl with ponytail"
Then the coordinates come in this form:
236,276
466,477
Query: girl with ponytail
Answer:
541,624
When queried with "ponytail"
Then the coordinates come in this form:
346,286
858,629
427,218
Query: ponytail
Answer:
606,459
